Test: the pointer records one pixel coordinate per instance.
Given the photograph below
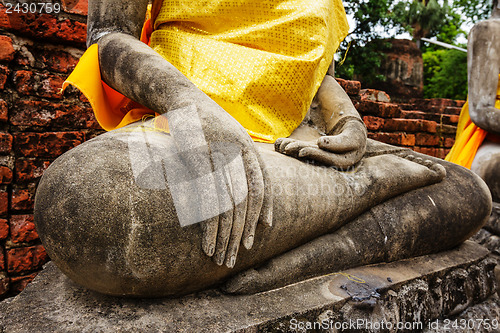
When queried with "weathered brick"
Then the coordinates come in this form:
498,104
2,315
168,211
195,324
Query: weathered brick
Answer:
350,87
449,142
2,262
5,175
28,170
4,229
374,95
412,114
76,6
22,229
58,61
5,143
428,126
18,283
453,119
379,109
452,110
6,49
55,60
42,85
22,199
431,151
53,115
398,139
4,202
4,74
435,105
50,144
410,125
425,139
441,153
373,123
446,119
447,129
26,259
44,26
4,111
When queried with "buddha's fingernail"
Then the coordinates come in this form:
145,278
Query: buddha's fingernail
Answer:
232,262
249,242
211,251
219,258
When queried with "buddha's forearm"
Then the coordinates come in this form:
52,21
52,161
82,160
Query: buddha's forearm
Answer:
335,103
137,71
487,118
483,67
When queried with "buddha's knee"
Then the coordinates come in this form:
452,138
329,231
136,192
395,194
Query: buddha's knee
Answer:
466,202
108,228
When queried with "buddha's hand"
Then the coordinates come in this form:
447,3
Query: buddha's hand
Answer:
226,182
344,148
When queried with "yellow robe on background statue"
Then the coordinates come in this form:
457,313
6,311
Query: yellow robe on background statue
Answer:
262,61
469,137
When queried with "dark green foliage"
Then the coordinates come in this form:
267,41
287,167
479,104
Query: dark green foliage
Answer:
445,74
445,70
422,18
362,48
473,10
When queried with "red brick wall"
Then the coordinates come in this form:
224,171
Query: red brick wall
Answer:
426,126
37,124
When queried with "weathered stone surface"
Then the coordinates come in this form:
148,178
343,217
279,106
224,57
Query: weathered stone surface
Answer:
409,290
110,232
481,318
493,224
489,236
374,95
484,55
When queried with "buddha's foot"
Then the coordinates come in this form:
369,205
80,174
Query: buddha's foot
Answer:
434,166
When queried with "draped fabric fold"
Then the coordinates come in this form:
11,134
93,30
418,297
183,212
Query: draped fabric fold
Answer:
469,137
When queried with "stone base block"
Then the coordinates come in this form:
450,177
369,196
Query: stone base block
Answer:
407,295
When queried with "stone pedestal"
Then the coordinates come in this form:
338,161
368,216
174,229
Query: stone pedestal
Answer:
412,293
489,236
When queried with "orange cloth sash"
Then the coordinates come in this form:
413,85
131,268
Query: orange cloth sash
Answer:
469,137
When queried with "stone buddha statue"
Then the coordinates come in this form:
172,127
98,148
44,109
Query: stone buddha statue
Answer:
233,160
478,136
484,97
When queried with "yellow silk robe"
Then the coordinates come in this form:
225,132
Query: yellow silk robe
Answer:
262,61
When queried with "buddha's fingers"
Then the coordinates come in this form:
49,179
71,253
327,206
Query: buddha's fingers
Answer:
266,213
293,148
352,137
225,226
236,234
281,144
237,186
255,197
209,240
